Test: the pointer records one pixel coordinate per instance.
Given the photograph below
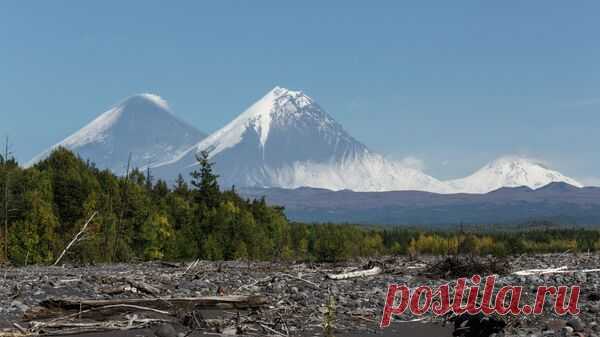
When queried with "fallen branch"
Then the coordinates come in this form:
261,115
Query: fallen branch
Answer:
55,307
559,270
129,307
192,265
75,239
12,334
360,273
540,271
67,328
264,326
245,286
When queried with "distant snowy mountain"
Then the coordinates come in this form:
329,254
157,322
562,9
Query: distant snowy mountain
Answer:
287,140
142,125
510,172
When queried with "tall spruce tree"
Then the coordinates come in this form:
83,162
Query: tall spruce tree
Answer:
205,181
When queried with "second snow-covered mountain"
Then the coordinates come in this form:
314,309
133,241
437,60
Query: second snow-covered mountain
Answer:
510,171
141,127
287,140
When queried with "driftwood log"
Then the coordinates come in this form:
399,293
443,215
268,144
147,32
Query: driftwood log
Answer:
359,273
69,328
168,306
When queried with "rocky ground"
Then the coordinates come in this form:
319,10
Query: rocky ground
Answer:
302,299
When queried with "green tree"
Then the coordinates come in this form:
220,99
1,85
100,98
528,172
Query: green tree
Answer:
241,251
156,233
205,182
212,249
33,239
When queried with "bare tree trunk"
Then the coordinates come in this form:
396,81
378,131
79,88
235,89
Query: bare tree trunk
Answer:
121,213
6,199
75,238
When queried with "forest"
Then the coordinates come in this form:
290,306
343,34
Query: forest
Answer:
140,218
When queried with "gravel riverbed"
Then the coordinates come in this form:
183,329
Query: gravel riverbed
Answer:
301,297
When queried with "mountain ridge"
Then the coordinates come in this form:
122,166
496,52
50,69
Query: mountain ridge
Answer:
508,205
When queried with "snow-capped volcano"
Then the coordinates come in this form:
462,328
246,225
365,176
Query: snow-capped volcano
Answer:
287,140
282,127
142,125
510,171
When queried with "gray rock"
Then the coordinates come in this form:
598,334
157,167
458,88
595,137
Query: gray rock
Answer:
229,331
576,324
580,277
165,330
19,305
556,325
567,331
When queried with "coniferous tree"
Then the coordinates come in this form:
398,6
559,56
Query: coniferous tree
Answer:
205,182
181,187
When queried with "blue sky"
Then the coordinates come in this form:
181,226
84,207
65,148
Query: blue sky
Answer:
449,85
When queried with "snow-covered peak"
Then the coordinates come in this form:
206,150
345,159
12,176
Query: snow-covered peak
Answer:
279,107
134,107
278,100
510,171
279,103
141,126
281,96
146,98
510,162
